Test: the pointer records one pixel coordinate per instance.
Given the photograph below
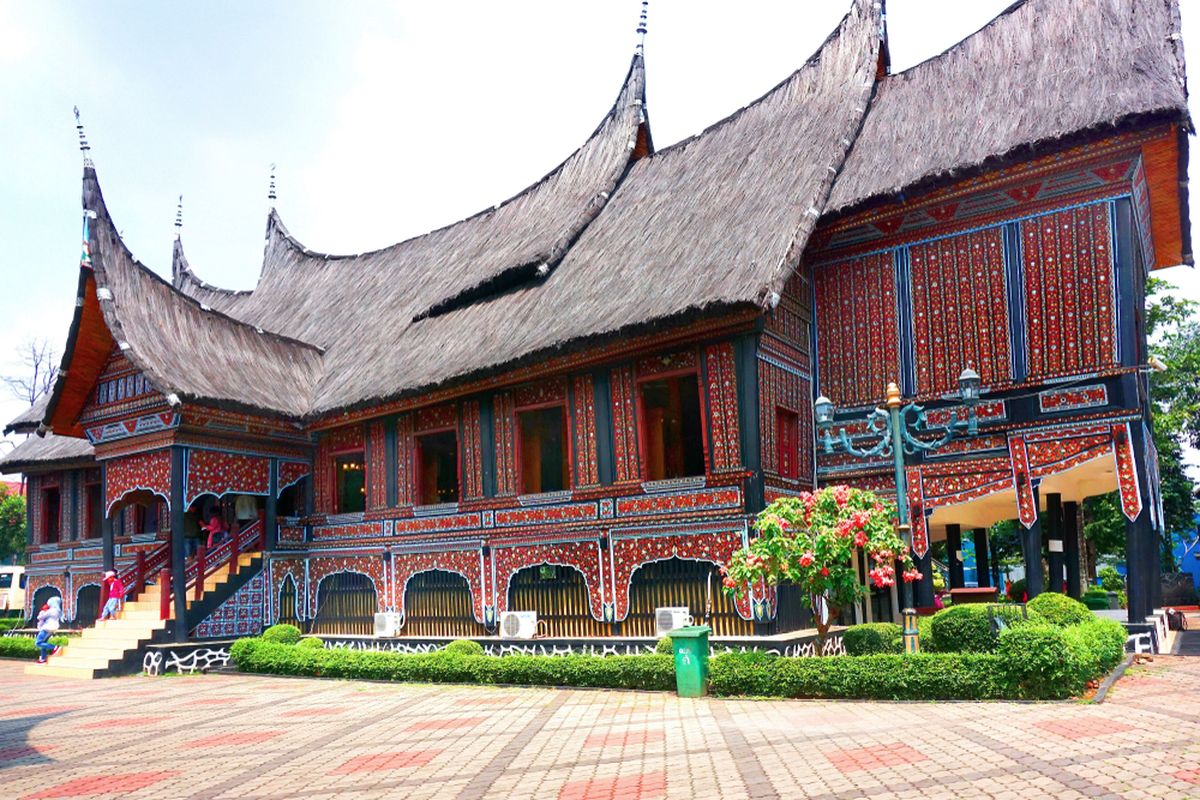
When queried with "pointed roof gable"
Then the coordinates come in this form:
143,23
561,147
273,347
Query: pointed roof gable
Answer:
185,350
1041,71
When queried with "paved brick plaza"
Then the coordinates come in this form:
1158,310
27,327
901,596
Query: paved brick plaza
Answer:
250,737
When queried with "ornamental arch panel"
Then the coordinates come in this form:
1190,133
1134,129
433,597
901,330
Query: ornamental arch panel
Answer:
87,605
559,594
438,602
346,604
682,582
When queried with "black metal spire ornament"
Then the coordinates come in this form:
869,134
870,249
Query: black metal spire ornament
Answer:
641,28
271,189
84,147
179,217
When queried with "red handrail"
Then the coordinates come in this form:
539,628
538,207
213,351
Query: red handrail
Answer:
164,596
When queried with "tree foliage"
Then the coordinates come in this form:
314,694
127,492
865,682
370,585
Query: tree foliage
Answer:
813,541
12,525
1173,330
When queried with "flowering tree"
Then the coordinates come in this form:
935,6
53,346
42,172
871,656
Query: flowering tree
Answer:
811,541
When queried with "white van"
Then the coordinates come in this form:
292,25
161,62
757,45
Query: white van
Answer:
12,590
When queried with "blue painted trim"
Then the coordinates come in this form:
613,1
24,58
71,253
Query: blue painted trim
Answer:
904,316
1014,288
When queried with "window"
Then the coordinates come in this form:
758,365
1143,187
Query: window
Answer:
145,518
95,510
6,580
437,468
787,440
351,483
543,439
674,437
51,506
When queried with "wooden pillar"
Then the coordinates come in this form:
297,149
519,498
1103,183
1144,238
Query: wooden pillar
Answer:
1031,545
1141,544
270,523
178,580
923,589
1070,531
106,531
983,569
953,550
1054,542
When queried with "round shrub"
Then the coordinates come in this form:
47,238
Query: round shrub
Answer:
924,635
962,629
1017,590
1110,579
1096,602
873,637
282,634
665,647
463,647
1058,609
311,643
1107,639
1039,663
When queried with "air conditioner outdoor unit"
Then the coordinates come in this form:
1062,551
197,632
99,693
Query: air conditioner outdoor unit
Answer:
518,624
387,623
668,618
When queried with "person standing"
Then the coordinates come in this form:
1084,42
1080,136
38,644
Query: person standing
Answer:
48,620
115,589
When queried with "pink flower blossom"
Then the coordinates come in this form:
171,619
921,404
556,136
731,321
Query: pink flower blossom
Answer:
860,539
806,559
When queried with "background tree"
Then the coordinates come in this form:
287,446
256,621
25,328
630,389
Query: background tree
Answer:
1173,329
12,526
816,541
39,368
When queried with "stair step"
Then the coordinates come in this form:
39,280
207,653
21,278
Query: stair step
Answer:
51,670
80,662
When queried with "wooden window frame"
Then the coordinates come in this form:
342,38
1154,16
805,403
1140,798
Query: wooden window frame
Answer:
567,436
416,461
334,456
782,413
44,502
640,416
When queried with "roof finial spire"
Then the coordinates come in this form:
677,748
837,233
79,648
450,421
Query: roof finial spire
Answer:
84,147
641,28
271,190
179,217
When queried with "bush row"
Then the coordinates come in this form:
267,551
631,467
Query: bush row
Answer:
23,646
615,672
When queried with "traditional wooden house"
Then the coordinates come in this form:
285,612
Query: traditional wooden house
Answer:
574,402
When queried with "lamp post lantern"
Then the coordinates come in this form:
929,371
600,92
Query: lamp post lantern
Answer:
902,429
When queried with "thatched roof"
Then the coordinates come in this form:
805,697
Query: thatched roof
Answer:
1041,71
184,348
619,237
42,452
29,419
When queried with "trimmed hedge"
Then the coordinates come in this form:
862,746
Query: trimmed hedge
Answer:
616,672
23,646
1096,601
283,634
1058,609
464,647
872,638
9,623
923,676
665,647
314,642
962,629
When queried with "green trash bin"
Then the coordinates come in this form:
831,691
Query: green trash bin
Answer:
691,660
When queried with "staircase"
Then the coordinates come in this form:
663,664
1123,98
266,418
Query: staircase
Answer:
114,646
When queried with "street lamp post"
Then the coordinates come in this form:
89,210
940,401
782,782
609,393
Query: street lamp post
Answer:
900,429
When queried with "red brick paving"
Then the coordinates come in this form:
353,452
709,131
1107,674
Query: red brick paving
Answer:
230,739
446,724
121,722
538,744
645,786
314,712
623,739
1082,729
1189,775
94,785
856,759
377,762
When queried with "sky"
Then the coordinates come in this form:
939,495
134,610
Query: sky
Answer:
384,119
